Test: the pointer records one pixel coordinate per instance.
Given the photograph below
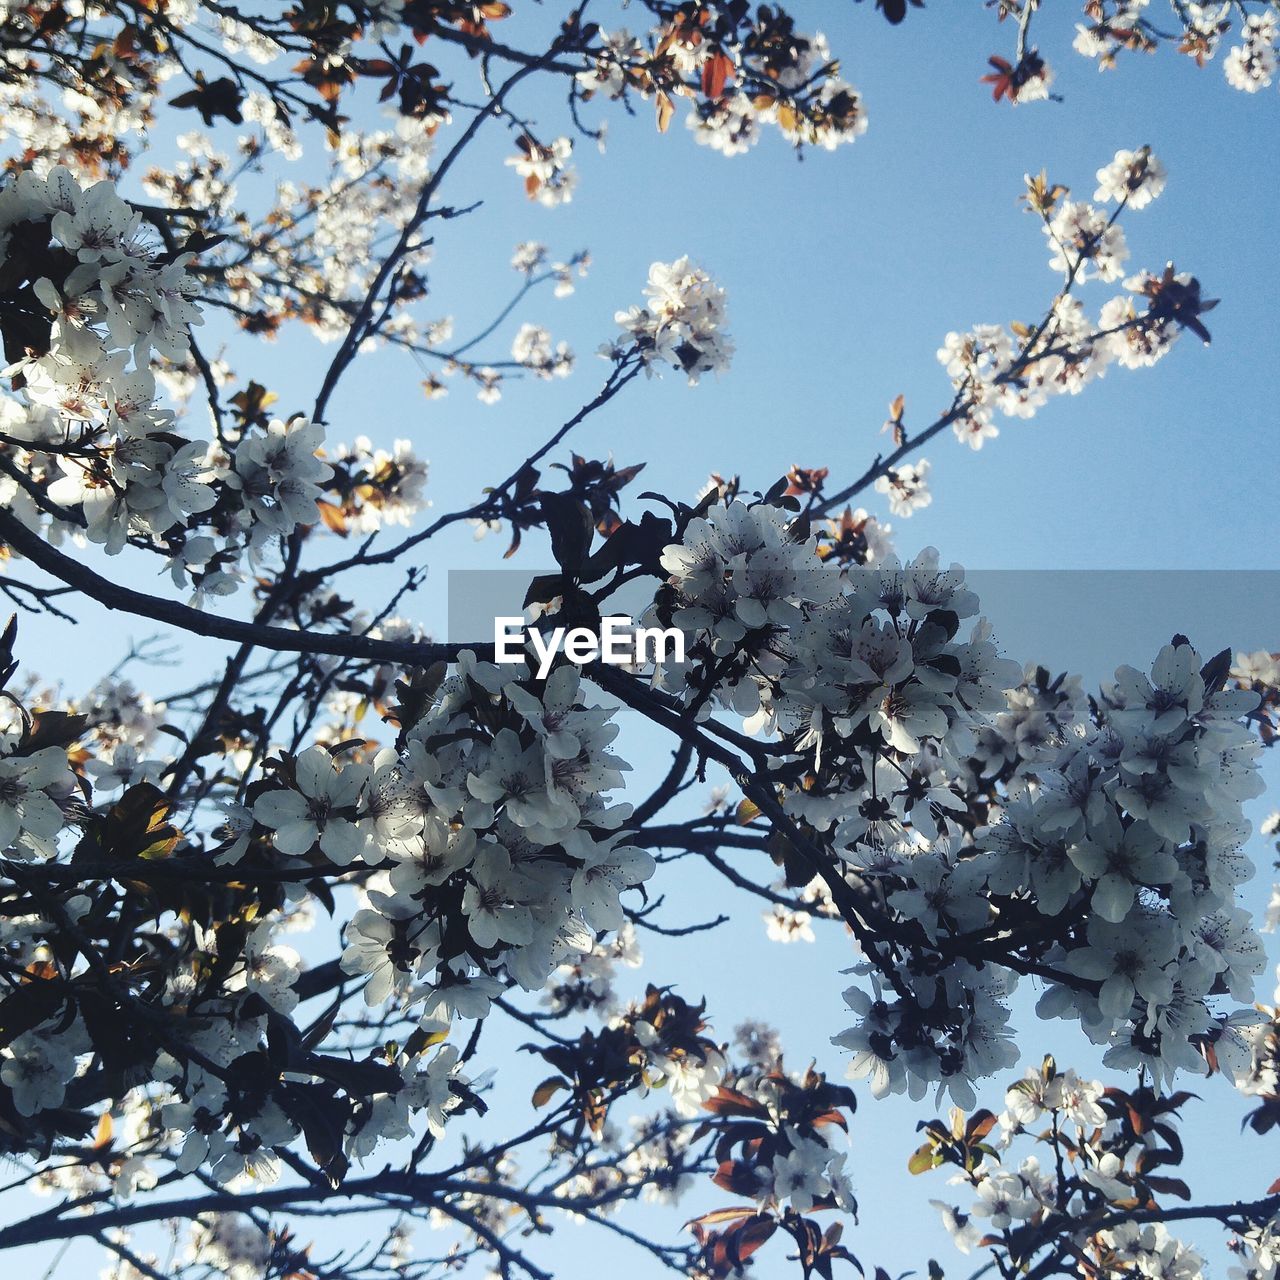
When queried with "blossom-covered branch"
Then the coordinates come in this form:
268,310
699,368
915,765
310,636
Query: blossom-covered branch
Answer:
265,936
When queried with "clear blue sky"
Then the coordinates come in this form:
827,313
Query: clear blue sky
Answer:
844,272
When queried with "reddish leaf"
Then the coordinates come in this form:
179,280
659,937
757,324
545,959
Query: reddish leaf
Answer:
715,72
980,1124
729,1102
749,1237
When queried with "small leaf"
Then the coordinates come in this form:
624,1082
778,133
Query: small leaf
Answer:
735,1213
51,729
571,526
980,1124
715,72
666,108
332,518
752,1235
8,664
1214,673
548,1090
1170,1187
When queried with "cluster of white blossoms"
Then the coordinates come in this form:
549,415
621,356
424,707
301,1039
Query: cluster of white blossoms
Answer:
786,633
786,81
101,458
586,982
806,1166
133,298
1251,65
682,324
1200,27
1086,241
314,253
531,257
1006,1198
209,1128
1015,371
781,1125
1122,827
278,475
1135,178
786,925
1108,1150
689,1072
85,419
377,487
532,348
548,176
1102,34
1132,825
95,456
736,570
1258,1252
35,787
508,856
230,1243
906,487
611,75
732,124
992,371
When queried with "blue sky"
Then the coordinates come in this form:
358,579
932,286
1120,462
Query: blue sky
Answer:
844,272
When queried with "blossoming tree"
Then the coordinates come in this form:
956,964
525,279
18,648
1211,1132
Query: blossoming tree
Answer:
254,930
